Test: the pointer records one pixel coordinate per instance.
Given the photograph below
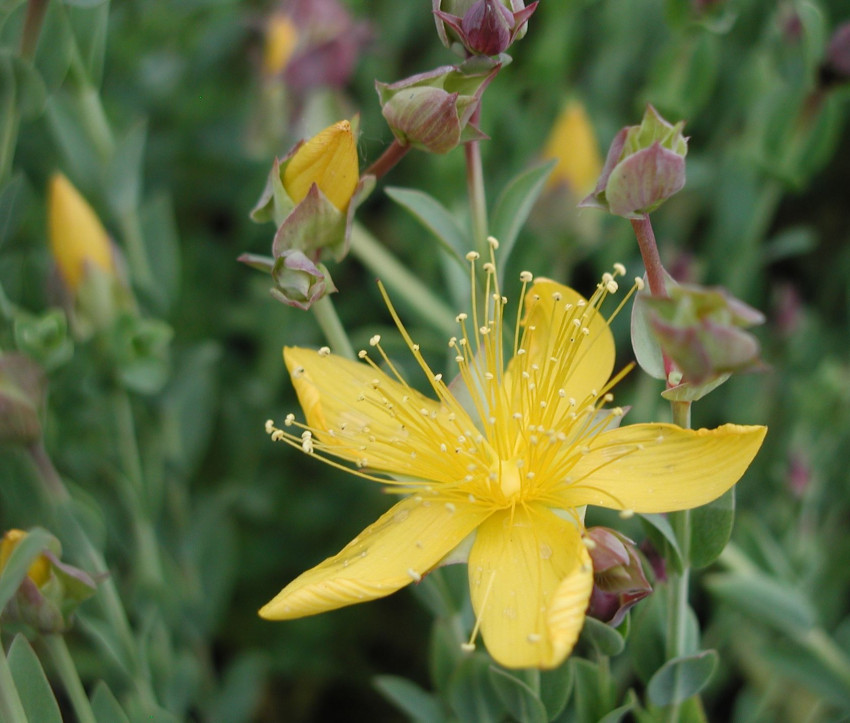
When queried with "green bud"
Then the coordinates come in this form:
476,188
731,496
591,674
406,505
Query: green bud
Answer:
298,281
432,111
481,27
644,167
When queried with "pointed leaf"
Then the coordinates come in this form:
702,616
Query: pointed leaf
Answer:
520,700
435,217
514,205
105,706
124,173
711,528
471,693
616,715
418,704
658,528
33,688
556,685
680,678
605,639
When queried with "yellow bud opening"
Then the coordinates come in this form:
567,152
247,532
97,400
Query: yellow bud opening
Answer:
328,159
573,143
39,571
281,39
77,236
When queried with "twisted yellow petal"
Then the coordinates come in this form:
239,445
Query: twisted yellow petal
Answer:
661,467
401,547
77,237
328,159
530,578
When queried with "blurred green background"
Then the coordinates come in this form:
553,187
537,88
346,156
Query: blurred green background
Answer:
194,126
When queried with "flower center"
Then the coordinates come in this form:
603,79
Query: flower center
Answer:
509,477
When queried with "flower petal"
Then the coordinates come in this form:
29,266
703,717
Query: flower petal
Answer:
530,578
559,355
661,467
403,545
364,416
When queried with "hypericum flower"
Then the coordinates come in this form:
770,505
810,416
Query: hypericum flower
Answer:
510,452
573,144
78,240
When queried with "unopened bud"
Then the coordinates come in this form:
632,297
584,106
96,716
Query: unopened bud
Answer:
619,581
432,111
50,591
835,69
573,144
281,37
644,167
481,27
298,281
328,160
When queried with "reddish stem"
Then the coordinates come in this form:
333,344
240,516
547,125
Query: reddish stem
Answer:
392,155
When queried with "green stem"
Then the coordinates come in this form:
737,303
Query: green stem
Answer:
401,282
332,327
11,708
677,621
9,123
70,678
475,190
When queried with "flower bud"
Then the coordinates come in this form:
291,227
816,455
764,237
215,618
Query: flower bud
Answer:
22,387
78,240
432,111
619,581
835,68
298,281
701,330
644,167
481,27
281,38
50,591
573,144
328,160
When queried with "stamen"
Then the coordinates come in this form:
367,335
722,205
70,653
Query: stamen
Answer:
468,647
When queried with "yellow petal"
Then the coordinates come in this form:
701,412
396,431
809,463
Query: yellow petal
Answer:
661,467
281,39
328,159
372,420
573,143
530,578
563,361
77,237
39,570
401,547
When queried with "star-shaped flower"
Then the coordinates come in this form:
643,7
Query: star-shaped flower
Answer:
509,453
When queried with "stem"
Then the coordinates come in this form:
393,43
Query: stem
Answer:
67,671
53,483
475,189
677,621
11,708
431,309
651,258
8,140
392,155
332,327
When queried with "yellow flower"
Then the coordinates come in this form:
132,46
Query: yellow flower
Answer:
328,159
281,39
77,237
511,452
40,568
573,143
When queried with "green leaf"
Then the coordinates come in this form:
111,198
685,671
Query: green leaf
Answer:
242,689
514,205
767,600
64,121
680,678
55,45
32,684
13,200
555,688
520,700
644,343
711,528
471,692
605,639
24,554
162,248
421,706
616,715
660,532
593,695
817,673
435,217
30,93
124,173
445,653
105,706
